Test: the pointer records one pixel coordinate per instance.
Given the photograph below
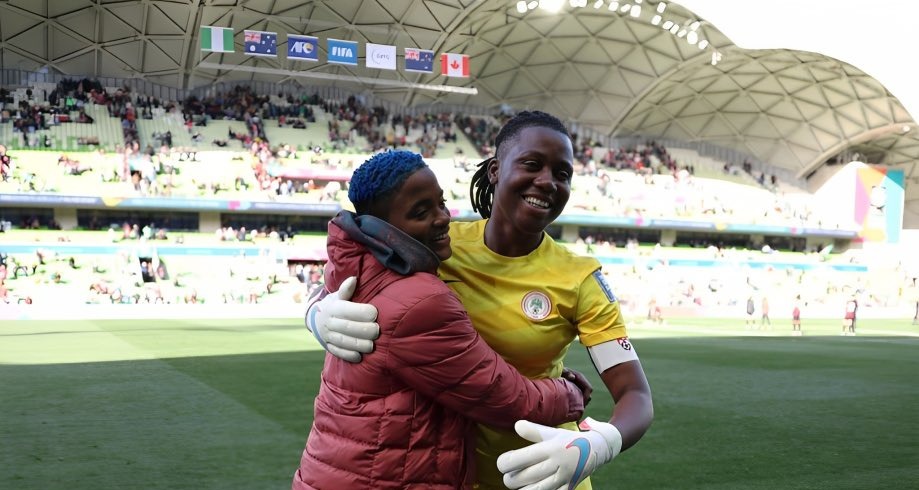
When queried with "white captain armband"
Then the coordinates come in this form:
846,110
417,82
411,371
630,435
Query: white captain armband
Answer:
612,353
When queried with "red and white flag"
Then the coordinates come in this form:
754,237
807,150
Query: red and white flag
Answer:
454,65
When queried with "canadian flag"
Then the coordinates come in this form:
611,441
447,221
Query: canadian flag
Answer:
454,65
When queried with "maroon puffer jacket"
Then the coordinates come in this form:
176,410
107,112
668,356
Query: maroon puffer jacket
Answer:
401,418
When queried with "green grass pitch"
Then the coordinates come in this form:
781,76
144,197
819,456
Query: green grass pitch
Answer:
227,405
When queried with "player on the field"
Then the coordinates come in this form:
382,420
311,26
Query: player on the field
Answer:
764,312
848,321
915,298
403,417
529,298
751,310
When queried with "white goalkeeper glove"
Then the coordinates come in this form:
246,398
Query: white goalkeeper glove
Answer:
344,329
560,458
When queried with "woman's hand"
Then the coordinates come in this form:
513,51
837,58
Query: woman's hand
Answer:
580,381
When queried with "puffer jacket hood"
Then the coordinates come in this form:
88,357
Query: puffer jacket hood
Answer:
394,248
352,236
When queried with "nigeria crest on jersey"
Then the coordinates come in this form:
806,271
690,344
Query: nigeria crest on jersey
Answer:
536,305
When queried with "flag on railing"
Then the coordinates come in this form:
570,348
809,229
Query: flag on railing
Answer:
216,39
381,56
304,48
454,65
261,43
420,60
342,52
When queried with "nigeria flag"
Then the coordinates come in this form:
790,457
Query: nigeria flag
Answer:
217,39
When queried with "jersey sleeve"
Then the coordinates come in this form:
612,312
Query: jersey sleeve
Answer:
598,316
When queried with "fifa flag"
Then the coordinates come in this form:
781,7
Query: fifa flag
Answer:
342,52
304,48
261,43
454,65
420,60
381,56
216,39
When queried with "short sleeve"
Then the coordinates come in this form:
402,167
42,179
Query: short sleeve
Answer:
598,316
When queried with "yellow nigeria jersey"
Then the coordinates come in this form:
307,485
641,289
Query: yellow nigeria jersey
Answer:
528,309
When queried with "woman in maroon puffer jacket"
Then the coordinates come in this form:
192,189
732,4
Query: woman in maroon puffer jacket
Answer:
402,418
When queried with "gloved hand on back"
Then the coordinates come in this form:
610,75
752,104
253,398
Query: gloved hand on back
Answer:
344,329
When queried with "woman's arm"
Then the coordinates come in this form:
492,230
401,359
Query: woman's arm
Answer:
634,410
436,351
561,458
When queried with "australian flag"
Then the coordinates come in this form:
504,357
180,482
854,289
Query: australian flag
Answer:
261,43
419,60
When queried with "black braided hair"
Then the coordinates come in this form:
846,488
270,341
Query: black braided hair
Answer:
481,190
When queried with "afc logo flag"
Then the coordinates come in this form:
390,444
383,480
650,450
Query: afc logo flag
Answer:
419,60
261,43
342,52
302,47
454,65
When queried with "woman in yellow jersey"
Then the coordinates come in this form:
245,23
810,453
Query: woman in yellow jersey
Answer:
529,298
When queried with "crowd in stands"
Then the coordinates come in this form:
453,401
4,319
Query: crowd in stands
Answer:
648,287
267,232
383,130
312,275
33,114
33,222
46,277
640,182
242,104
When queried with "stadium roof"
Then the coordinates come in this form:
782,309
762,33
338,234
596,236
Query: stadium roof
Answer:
609,65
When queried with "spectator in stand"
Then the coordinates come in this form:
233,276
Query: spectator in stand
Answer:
6,164
83,117
298,272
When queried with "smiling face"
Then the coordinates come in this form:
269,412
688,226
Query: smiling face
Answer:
418,208
532,178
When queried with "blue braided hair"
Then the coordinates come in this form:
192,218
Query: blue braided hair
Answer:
380,176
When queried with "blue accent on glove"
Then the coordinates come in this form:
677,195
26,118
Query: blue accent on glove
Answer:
311,324
583,446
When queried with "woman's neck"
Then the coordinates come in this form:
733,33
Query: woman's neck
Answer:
505,240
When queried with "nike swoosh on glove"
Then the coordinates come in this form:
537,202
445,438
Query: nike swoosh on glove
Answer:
344,329
560,458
